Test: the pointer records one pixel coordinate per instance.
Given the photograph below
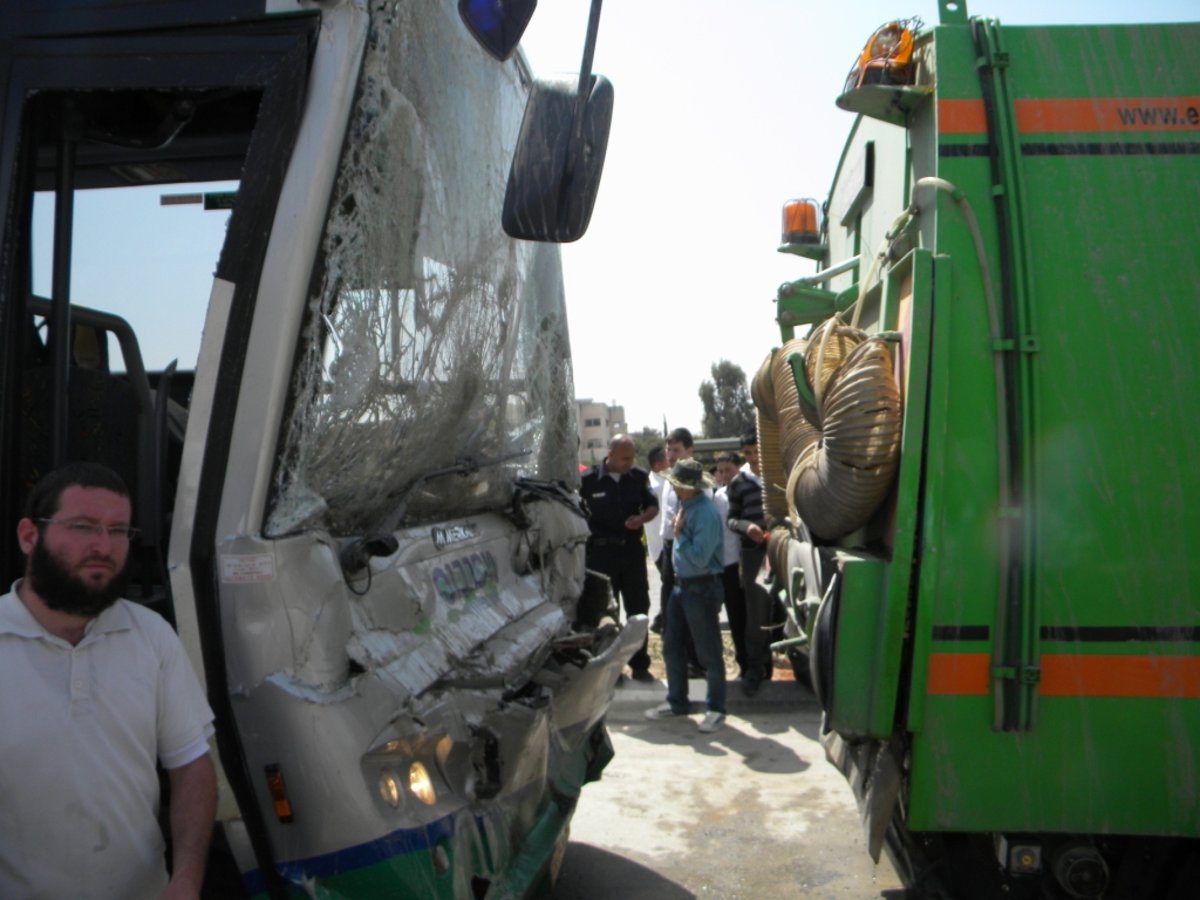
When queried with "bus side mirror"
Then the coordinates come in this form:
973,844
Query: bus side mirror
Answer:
497,24
556,166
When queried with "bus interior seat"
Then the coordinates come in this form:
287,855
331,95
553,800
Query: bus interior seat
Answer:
112,419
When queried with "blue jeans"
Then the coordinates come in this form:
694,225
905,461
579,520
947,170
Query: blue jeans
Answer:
695,609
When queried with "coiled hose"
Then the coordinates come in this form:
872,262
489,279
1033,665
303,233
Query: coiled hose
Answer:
770,458
841,450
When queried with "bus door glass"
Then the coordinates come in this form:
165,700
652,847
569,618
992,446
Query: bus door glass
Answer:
122,160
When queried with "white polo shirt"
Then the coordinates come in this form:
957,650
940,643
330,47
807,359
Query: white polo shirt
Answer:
666,512
653,528
733,540
80,730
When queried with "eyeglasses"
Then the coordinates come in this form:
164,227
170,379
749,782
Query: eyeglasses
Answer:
116,533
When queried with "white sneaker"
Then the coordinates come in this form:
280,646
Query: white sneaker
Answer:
663,711
711,722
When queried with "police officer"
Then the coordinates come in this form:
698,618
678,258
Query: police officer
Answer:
619,502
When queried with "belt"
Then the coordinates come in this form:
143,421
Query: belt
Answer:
615,542
695,579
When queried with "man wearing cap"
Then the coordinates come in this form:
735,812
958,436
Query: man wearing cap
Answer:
679,446
697,553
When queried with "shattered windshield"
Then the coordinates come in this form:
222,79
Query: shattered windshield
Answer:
434,366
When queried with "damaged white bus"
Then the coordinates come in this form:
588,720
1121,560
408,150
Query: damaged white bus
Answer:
352,447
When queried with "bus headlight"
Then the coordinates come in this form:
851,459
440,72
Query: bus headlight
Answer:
421,784
389,788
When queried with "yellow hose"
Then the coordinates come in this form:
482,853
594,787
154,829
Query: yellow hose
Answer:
838,456
770,457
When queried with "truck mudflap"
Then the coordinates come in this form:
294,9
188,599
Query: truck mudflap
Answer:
874,772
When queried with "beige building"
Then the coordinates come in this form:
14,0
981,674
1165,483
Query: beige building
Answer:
598,423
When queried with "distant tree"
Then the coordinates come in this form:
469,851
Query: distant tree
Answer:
645,440
728,409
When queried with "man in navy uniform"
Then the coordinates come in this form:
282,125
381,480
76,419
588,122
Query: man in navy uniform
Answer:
619,501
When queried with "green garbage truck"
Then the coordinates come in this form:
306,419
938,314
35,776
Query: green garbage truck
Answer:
980,452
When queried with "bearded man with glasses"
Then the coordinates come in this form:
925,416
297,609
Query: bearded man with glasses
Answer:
94,690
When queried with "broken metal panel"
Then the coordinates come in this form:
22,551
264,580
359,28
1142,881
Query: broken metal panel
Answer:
449,655
581,708
499,766
457,604
427,613
432,338
285,610
552,539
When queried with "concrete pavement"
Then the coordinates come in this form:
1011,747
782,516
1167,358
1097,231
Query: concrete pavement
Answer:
752,810
634,696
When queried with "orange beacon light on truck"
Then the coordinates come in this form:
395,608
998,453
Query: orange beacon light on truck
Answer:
801,222
887,57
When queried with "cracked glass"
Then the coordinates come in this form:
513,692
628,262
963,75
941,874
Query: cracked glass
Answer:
434,365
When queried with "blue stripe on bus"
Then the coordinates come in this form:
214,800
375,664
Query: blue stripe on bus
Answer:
401,842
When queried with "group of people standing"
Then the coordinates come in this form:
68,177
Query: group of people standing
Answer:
709,547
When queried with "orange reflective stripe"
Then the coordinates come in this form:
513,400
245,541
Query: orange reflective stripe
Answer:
957,673
1074,675
1120,676
1075,115
1109,114
961,117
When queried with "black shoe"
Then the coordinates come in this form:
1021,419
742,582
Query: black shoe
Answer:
643,675
751,684
656,625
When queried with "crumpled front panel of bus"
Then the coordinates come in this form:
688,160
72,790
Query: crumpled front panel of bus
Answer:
455,657
433,707
434,342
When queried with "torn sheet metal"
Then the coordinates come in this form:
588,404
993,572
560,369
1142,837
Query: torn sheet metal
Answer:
459,653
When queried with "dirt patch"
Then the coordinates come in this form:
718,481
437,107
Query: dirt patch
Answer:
781,668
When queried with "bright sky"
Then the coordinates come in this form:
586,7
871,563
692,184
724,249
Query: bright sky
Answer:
723,111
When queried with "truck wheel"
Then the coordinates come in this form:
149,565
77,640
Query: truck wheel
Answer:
800,667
